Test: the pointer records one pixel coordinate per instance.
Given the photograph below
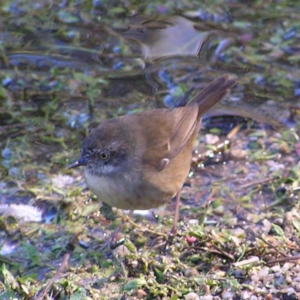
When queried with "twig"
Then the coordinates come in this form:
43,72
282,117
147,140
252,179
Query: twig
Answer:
257,182
145,229
70,247
283,259
245,262
61,268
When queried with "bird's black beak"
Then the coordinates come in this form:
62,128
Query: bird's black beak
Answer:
80,162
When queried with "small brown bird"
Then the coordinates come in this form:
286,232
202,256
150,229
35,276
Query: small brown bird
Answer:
141,161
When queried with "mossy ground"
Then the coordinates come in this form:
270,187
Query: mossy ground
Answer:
66,66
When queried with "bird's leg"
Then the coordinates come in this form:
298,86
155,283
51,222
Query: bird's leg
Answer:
173,230
176,215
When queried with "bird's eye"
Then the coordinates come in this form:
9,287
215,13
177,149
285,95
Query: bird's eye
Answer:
104,155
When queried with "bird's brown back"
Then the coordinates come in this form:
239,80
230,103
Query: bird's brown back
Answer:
170,135
167,131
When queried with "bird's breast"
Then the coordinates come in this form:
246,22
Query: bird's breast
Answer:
125,191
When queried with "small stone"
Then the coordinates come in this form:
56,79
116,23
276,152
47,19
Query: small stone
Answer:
272,290
280,280
238,232
121,251
211,138
268,296
191,272
263,273
267,225
290,291
268,279
297,267
277,274
141,294
191,296
60,181
276,268
239,153
239,274
245,295
292,296
134,264
286,267
297,287
261,290
288,278
228,295
220,210
255,278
